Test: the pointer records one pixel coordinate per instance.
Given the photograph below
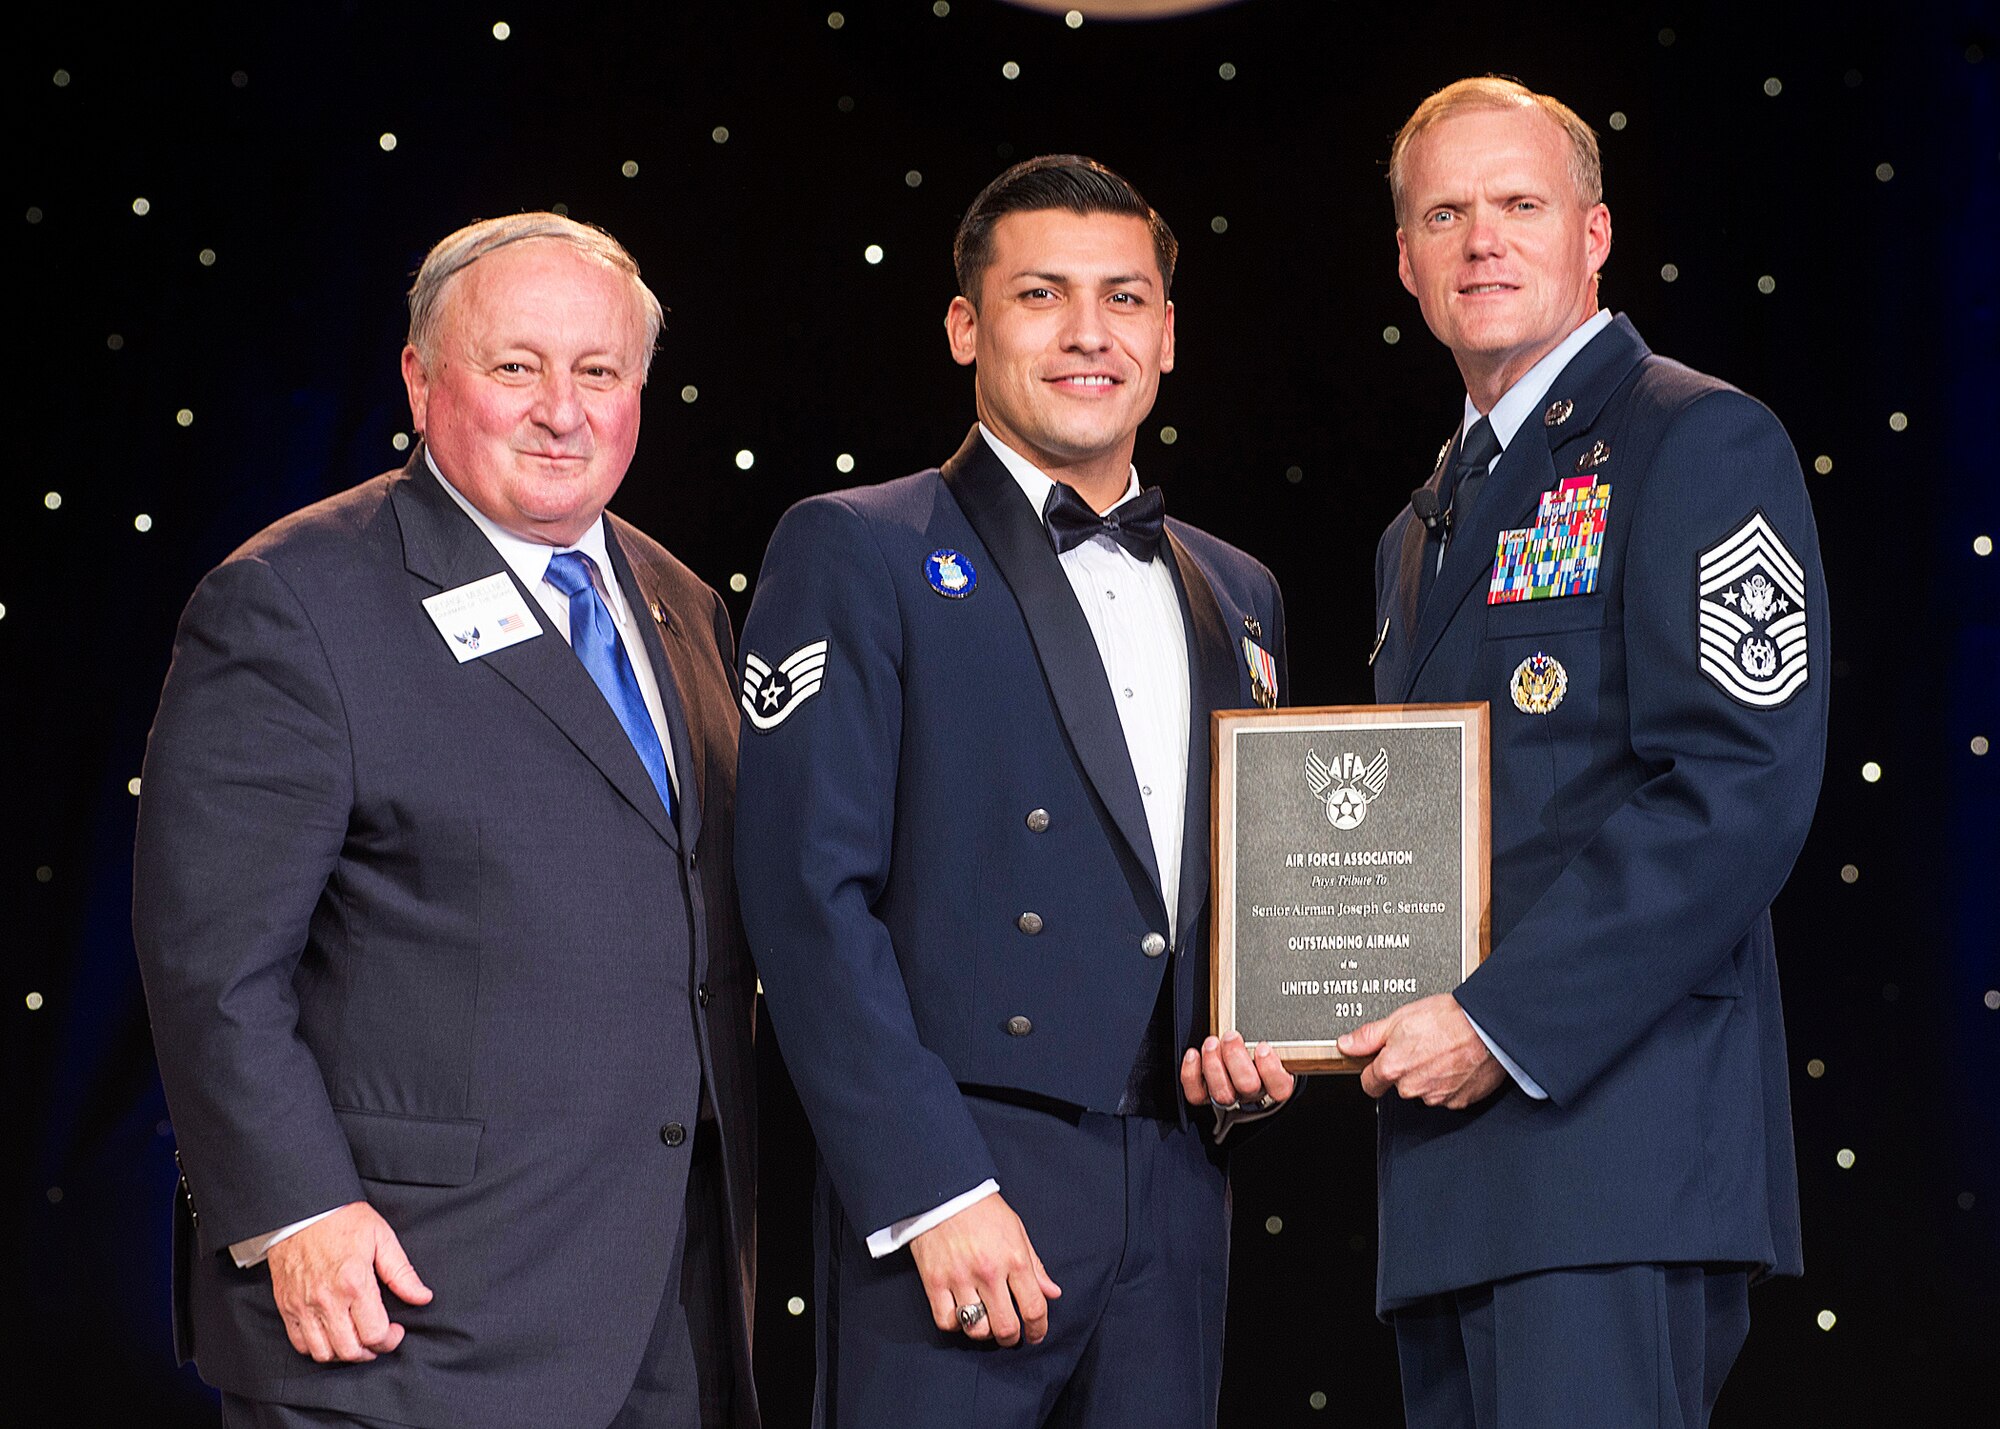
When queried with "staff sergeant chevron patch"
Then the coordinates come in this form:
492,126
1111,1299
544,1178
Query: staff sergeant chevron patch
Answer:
1751,604
770,696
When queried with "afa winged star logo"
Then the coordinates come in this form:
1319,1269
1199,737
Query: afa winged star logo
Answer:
1752,607
1347,786
770,695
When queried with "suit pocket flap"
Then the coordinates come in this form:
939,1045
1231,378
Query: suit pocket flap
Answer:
416,1150
1546,616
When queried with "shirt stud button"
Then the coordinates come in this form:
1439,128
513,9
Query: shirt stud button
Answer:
1029,923
1038,821
1019,1026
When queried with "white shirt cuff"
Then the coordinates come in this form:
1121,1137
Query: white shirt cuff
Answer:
1521,1079
247,1253
891,1239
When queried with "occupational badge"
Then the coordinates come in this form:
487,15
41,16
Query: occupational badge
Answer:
951,575
770,695
1539,684
1751,604
1263,673
1347,786
1599,453
1558,412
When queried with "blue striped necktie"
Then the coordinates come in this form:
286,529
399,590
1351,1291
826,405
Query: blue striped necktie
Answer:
594,637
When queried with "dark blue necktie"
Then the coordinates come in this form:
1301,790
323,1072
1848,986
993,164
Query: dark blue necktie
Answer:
1137,525
594,637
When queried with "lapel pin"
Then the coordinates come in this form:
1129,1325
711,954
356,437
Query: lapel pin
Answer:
1438,465
1558,412
1599,453
1255,626
659,612
951,575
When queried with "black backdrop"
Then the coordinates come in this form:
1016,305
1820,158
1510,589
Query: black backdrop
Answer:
1821,186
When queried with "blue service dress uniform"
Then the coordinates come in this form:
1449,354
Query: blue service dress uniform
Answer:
1658,733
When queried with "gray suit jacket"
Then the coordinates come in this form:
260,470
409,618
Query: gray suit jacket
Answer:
421,933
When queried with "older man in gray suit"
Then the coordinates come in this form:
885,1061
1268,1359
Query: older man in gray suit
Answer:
434,906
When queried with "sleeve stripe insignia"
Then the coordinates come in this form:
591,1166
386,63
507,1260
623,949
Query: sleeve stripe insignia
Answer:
770,696
1751,603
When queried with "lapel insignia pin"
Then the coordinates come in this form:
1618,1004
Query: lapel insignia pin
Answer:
1599,453
770,695
659,612
1263,673
1347,786
1438,465
1255,626
1539,684
951,575
1558,412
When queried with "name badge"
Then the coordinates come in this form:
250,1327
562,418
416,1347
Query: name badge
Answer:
480,618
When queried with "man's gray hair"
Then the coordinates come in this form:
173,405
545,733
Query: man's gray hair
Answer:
459,251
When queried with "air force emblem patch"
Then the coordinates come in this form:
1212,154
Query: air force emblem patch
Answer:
1751,596
770,696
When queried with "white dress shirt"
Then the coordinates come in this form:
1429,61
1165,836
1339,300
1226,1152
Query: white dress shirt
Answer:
1513,408
1134,612
529,560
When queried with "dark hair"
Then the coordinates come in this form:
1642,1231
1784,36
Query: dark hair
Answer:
1064,181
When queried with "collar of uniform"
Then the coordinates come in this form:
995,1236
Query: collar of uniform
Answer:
1035,483
530,559
1520,400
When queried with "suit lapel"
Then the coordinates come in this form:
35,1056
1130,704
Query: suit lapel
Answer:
1511,494
1014,538
1213,684
673,661
443,547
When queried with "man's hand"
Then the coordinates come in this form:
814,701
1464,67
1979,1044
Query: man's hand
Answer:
324,1281
1226,1073
1426,1049
982,1254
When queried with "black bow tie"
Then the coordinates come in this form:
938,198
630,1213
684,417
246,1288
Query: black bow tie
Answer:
1137,525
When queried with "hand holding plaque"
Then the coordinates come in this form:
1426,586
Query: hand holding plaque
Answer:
1351,868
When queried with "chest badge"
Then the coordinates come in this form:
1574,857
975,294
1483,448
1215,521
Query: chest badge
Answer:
1599,453
1263,673
951,575
1558,412
1539,684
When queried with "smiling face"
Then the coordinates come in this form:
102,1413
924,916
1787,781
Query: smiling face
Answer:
1495,243
1072,331
530,402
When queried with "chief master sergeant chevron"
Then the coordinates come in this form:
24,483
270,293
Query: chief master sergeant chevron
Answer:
1589,1155
973,852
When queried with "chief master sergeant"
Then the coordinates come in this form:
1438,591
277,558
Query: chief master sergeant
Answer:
1588,1155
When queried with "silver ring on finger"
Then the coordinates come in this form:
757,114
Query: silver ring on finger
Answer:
970,1315
1266,1102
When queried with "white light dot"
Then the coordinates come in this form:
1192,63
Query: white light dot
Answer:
1168,436
1617,120
913,178
1965,1200
1295,474
1226,70
1815,1069
132,786
501,29
34,214
1885,172
630,168
690,392
1670,272
115,341
1844,1159
142,206
3,616
1982,545
44,874
1899,421
55,1194
388,142
1218,224
206,257
795,1306
1666,38
401,441
240,79
1849,873
720,134
1825,1319
34,1001
941,8
1980,744
1317,1399
1010,70
1273,1224
1767,284
739,582
559,208
872,253
844,462
1074,19
1774,86
745,459
53,500
1871,772
1992,999
1822,464
1392,334
142,522
835,20
61,78
184,417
